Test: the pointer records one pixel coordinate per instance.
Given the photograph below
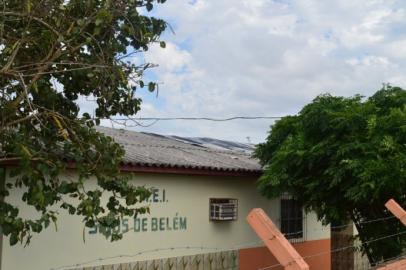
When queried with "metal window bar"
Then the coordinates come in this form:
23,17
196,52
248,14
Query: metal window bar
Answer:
292,219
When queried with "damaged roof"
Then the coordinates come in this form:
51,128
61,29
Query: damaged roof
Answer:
172,152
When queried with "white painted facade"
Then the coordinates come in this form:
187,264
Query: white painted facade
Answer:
186,198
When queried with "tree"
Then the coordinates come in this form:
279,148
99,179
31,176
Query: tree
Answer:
344,158
54,53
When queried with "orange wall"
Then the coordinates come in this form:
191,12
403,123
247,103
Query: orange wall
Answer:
256,258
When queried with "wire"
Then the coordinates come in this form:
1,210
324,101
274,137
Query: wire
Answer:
244,245
364,222
341,226
137,121
196,118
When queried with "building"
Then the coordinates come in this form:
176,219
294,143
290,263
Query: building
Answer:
202,194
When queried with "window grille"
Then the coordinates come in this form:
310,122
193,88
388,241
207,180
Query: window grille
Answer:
223,209
292,220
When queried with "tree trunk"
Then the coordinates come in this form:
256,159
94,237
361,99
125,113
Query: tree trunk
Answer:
342,237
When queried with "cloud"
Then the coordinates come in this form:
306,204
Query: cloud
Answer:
270,58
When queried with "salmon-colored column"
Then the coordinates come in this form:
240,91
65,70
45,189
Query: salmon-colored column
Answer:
396,210
276,242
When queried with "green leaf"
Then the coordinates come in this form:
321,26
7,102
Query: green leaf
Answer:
90,223
151,87
13,239
149,6
99,21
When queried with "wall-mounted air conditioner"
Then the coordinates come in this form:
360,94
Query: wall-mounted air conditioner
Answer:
222,209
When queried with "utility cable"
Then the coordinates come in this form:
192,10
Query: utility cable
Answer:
196,118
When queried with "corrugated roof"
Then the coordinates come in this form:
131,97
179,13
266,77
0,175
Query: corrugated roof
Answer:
154,150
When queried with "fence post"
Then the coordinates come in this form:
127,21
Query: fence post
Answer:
396,210
400,213
276,242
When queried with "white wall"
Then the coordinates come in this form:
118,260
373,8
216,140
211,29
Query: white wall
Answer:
185,197
314,229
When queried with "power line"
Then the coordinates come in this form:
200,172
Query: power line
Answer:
195,118
137,122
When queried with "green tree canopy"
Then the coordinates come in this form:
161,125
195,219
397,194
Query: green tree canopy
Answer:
53,54
343,158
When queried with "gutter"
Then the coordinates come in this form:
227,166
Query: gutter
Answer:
188,171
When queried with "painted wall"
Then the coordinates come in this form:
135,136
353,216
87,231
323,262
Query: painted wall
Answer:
179,219
316,251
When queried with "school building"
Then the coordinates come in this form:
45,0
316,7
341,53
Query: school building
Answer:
202,192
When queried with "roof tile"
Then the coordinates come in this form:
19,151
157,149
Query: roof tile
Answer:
143,149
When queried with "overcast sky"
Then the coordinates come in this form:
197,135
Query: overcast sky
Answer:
268,58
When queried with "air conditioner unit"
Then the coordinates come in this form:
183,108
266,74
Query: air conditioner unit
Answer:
223,209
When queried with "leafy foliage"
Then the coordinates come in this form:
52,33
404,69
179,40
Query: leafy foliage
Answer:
53,54
343,158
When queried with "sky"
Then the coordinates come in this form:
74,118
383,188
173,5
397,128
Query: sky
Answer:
268,58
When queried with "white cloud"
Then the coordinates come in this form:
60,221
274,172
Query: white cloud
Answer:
178,58
397,49
270,58
369,61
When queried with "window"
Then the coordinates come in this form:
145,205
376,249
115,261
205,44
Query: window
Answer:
291,218
223,209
